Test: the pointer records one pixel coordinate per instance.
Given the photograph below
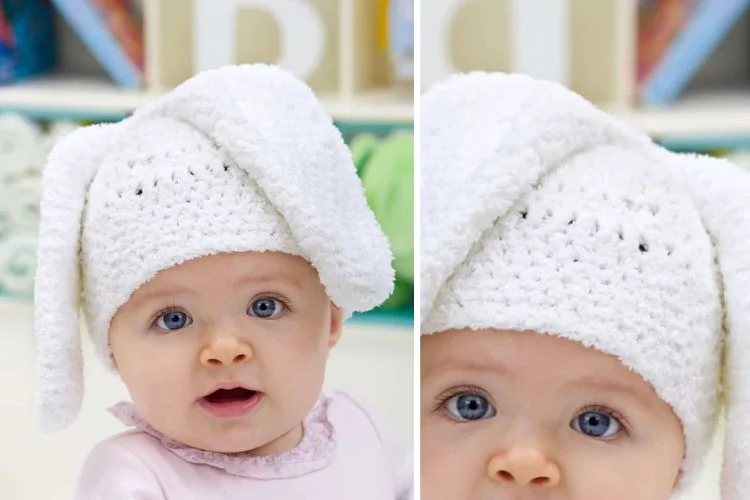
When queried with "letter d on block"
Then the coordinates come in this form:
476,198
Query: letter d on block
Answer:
301,28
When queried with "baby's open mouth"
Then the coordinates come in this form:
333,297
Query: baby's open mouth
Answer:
230,395
231,403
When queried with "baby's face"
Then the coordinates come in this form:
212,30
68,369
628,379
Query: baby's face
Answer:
259,321
519,415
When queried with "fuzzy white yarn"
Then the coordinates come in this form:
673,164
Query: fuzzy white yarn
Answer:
580,227
243,158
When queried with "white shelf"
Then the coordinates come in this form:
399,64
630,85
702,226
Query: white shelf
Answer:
373,105
706,114
71,95
83,97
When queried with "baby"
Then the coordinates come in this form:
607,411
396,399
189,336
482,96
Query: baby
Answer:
216,241
581,289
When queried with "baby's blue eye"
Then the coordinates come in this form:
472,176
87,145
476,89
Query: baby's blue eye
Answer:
596,424
173,320
467,407
266,308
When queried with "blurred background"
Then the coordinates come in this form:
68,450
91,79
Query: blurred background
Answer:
67,63
677,69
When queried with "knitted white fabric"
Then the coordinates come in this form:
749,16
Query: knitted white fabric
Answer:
238,159
580,227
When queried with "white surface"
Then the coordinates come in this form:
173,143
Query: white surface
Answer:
85,95
707,113
540,45
374,363
436,63
625,56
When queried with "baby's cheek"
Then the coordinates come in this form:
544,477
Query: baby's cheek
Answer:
310,358
301,365
621,472
147,390
153,381
310,337
455,468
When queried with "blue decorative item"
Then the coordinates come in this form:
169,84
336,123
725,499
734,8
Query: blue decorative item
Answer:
709,25
402,38
109,44
27,41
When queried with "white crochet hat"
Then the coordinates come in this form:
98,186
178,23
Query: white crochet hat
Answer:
542,213
237,159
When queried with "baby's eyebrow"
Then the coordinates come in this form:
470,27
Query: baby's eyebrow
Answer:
150,295
605,385
452,364
276,276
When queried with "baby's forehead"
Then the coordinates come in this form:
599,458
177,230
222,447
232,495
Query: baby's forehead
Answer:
524,355
241,266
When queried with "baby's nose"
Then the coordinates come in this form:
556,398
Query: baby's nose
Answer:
226,351
524,466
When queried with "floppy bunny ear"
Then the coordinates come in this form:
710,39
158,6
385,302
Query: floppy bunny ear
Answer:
71,167
722,194
499,134
274,128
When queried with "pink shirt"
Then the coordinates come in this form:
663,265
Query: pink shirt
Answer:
343,455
